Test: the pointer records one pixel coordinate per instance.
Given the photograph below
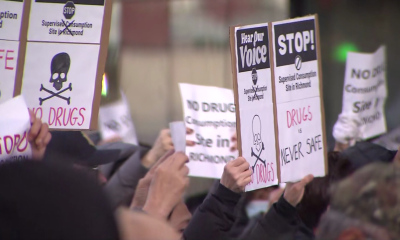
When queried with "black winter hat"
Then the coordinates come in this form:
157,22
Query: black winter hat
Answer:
363,153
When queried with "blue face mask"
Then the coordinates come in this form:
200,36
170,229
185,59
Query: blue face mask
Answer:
254,208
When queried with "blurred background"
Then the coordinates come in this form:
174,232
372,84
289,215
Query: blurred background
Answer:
156,44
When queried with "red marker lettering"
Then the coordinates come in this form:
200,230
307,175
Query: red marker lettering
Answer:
51,120
9,58
72,114
24,137
297,114
8,150
59,114
83,117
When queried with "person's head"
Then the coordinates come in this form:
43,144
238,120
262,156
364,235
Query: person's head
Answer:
77,149
257,201
341,165
337,226
368,201
41,200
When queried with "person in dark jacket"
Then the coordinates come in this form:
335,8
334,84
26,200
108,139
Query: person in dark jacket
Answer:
282,221
124,175
215,216
121,185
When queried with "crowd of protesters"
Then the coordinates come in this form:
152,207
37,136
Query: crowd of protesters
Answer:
75,189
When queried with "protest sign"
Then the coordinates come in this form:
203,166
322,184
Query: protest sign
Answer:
365,91
8,68
14,128
13,25
78,21
59,82
210,113
254,103
297,83
65,60
115,121
11,19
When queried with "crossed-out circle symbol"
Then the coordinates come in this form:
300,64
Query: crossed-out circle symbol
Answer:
297,62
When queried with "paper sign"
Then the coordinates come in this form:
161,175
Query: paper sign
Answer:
210,113
255,112
365,90
300,139
10,19
8,68
14,127
65,60
297,82
296,64
115,121
58,83
78,21
178,135
11,22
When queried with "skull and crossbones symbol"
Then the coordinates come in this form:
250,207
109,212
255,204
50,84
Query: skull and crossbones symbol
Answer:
257,141
59,69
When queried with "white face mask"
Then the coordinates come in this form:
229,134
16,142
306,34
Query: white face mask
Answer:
254,208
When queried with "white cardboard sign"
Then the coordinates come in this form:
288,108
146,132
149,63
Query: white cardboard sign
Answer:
78,21
115,121
8,68
59,81
14,128
298,103
365,91
10,19
210,113
300,139
256,113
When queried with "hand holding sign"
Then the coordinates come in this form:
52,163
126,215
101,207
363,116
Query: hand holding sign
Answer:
168,185
142,189
236,175
294,191
38,136
346,131
161,146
